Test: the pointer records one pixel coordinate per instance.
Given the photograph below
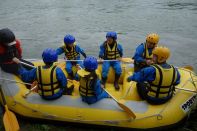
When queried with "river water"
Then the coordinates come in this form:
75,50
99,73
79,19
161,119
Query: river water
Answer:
44,23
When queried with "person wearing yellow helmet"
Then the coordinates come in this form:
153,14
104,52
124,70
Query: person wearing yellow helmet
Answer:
143,54
157,82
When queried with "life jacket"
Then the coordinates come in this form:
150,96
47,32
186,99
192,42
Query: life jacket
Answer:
163,85
87,83
111,54
140,65
47,81
12,50
72,54
146,54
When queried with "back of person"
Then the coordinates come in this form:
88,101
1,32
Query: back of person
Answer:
156,83
47,82
90,86
164,84
52,82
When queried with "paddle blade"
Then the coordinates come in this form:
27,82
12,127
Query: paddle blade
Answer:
127,110
189,67
10,121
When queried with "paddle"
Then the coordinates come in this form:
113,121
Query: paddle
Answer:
124,107
27,64
75,83
18,61
9,119
186,90
125,60
32,89
189,67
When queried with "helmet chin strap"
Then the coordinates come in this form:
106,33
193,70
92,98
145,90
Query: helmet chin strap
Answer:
161,62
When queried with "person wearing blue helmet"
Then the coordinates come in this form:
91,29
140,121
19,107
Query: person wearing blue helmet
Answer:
111,50
72,52
90,86
52,82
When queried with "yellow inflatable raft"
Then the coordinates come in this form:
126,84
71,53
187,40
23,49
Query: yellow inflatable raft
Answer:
107,111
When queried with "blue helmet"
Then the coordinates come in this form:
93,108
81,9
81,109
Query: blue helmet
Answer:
112,34
90,63
69,39
49,55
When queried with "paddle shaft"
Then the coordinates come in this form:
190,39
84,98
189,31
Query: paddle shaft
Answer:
15,81
127,60
83,60
110,95
2,96
27,64
186,90
33,88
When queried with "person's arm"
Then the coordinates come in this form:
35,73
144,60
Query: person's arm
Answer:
97,87
120,49
138,56
178,77
27,76
80,50
59,50
61,77
101,52
145,74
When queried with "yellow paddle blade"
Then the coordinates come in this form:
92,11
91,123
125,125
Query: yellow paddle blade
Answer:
74,82
10,121
124,107
189,67
127,60
127,110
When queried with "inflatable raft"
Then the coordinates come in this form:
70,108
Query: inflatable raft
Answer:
107,111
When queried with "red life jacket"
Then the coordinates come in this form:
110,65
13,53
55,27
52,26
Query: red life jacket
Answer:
7,53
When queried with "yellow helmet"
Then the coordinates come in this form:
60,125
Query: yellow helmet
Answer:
162,53
153,38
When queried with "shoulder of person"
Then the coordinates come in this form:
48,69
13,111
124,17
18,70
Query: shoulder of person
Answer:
58,69
140,47
119,44
150,69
